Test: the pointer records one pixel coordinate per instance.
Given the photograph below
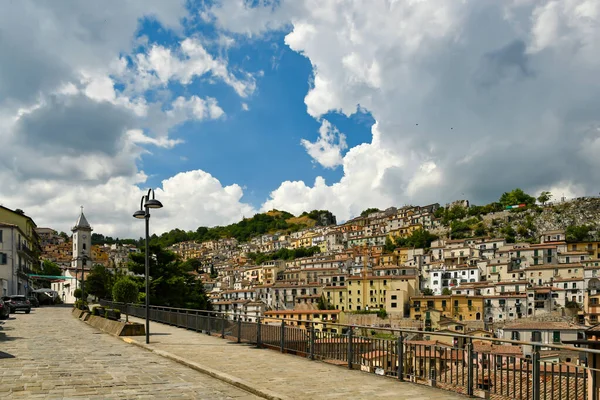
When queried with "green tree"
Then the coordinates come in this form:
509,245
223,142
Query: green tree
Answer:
575,233
323,304
170,284
427,292
544,197
192,264
419,239
125,291
446,292
368,211
213,272
480,230
51,269
390,245
515,197
509,233
99,282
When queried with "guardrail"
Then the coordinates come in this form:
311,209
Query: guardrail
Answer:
474,366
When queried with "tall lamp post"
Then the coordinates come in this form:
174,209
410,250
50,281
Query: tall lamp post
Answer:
144,213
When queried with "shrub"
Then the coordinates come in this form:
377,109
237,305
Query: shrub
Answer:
125,291
82,305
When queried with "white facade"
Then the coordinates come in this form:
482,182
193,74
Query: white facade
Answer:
82,243
13,260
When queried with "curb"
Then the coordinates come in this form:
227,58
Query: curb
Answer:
232,380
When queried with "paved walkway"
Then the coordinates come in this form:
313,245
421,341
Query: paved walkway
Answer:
284,376
50,354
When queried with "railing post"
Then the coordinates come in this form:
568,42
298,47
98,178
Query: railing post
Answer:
282,335
311,342
222,326
400,352
258,332
239,340
350,349
535,364
469,351
208,323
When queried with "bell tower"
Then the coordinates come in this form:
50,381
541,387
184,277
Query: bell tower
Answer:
82,242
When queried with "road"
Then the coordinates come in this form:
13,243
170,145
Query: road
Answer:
50,354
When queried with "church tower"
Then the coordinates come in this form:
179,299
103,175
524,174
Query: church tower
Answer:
82,242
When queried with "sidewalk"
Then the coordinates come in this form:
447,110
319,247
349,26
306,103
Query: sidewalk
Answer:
273,375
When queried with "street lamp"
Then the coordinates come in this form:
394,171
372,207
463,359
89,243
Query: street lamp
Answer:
144,213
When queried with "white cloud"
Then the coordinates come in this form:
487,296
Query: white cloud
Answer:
161,65
461,106
190,199
72,136
245,107
328,148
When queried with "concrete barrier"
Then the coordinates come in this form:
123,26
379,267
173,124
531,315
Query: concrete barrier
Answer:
116,328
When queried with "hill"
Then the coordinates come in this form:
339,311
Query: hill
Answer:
270,222
580,218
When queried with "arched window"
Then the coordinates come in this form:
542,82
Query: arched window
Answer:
84,246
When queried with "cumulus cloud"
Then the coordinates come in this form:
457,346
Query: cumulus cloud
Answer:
464,108
74,119
190,199
327,149
160,65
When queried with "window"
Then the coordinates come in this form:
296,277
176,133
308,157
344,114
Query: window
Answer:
515,335
1,236
394,305
536,336
3,259
556,336
394,297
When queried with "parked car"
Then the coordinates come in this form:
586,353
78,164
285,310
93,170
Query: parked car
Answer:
4,309
34,301
19,302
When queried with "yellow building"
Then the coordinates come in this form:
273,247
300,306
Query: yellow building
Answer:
461,307
405,231
304,318
591,248
380,292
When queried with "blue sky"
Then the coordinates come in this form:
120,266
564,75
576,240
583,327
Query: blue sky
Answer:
100,100
259,148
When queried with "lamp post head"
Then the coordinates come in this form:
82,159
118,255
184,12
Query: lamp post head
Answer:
153,203
139,214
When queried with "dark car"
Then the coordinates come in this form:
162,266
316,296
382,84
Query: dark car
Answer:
19,303
34,301
4,309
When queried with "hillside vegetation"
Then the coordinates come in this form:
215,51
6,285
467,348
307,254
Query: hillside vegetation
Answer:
269,222
580,218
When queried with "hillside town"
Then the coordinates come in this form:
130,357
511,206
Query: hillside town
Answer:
544,290
481,282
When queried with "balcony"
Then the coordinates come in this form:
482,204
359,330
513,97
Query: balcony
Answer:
21,248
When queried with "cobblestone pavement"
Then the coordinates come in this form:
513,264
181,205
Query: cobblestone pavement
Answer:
285,375
51,354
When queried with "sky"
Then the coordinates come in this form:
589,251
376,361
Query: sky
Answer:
229,108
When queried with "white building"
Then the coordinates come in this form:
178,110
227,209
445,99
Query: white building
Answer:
19,247
82,246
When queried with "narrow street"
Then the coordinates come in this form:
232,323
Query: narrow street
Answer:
50,354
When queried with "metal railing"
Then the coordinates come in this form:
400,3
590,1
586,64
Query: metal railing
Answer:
479,367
